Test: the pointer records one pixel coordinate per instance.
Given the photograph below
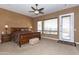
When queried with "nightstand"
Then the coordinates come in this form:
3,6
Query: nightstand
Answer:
5,38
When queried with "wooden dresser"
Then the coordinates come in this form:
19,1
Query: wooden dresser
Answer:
5,38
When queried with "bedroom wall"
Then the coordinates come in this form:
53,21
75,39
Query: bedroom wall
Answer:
13,19
61,12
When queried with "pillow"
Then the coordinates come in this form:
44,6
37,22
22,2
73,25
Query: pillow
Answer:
24,29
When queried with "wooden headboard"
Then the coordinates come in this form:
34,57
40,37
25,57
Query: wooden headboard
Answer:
14,29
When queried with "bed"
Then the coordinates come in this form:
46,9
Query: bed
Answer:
23,35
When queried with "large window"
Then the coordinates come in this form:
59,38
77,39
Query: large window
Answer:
50,26
39,26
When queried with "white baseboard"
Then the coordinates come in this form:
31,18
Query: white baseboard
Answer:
50,38
56,39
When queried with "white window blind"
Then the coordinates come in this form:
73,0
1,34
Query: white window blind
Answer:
39,26
50,26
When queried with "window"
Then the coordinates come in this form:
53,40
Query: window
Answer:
39,26
50,26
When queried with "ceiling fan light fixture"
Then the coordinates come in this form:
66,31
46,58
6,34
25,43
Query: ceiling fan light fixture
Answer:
36,12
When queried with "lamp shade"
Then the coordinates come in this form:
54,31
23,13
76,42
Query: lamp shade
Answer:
3,33
6,26
30,27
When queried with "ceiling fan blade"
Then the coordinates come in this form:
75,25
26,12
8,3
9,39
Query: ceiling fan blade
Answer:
41,9
41,12
31,11
33,8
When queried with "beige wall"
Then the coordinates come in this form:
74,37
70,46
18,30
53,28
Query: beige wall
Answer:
17,20
13,20
56,14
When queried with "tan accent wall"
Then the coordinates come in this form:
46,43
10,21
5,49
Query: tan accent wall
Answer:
13,20
61,12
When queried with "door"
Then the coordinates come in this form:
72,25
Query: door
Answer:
66,31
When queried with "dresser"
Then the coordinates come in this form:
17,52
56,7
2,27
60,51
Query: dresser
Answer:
5,38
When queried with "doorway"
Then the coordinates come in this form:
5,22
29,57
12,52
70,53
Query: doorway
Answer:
66,27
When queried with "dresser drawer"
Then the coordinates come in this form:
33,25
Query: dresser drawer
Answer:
5,38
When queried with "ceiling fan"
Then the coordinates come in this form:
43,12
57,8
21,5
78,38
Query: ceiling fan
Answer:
37,10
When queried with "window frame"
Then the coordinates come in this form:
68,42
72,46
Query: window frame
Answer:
42,31
57,25
41,26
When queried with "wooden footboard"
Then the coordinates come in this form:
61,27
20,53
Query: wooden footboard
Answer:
24,38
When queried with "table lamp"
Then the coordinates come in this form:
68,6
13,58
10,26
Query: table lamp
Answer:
6,28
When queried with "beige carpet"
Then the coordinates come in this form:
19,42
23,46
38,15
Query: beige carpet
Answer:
44,47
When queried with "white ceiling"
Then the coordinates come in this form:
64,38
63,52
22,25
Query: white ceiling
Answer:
25,8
